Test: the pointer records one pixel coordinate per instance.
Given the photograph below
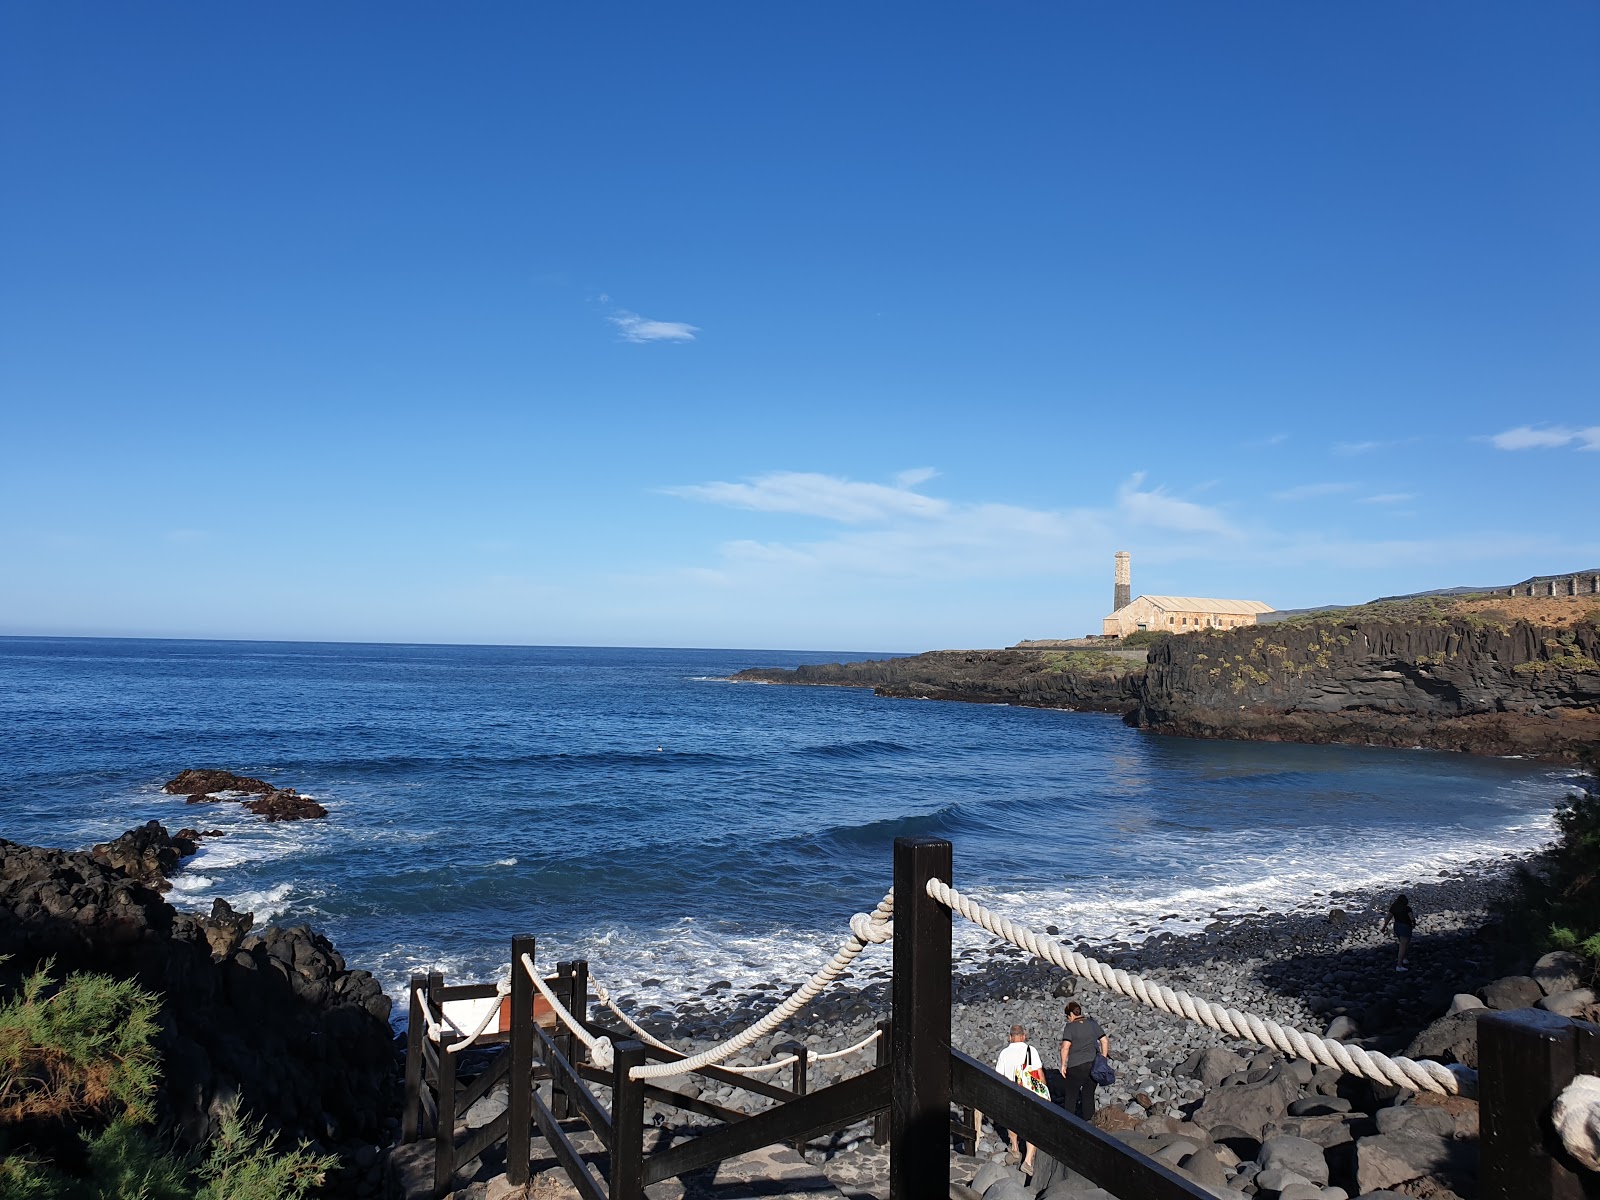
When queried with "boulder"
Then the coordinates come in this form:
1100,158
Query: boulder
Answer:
1276,1179
1390,1159
1514,991
1559,971
1449,1039
1008,1189
1203,1167
225,929
148,853
1338,1129
1342,1028
1319,1106
991,1173
1246,1106
1464,1002
1567,1004
1304,1158
1211,1066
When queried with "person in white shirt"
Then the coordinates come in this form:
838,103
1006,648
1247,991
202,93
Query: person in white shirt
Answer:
1017,1057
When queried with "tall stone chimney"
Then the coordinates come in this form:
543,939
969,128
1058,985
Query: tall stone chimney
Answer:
1124,589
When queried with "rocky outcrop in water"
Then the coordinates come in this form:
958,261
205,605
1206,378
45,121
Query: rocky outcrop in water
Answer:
273,803
273,1017
1448,682
1038,679
148,854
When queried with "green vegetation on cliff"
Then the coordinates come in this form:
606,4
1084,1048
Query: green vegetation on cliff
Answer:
79,1075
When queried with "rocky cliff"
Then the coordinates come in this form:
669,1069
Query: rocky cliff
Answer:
272,1017
1427,676
1038,679
1441,674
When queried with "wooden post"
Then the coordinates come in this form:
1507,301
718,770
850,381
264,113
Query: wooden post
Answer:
416,1033
880,1058
444,1137
1525,1058
560,1105
627,1124
578,999
519,1080
798,1075
919,1112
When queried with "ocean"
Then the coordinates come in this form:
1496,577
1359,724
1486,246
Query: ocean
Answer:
632,807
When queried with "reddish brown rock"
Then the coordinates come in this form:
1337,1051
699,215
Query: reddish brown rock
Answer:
203,781
286,804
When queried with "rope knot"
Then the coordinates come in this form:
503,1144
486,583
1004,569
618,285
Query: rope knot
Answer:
600,1054
868,930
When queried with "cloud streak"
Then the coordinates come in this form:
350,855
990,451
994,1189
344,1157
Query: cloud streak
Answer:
634,328
1550,437
1310,491
815,495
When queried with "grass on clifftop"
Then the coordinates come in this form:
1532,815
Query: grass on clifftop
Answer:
79,1073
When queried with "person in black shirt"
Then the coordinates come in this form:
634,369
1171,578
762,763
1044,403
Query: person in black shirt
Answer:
1404,922
1081,1039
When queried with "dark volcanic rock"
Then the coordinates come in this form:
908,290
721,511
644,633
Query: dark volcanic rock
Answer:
275,1017
1449,682
195,783
286,804
1087,680
148,854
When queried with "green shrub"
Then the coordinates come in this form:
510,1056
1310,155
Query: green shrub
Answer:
83,1053
1557,907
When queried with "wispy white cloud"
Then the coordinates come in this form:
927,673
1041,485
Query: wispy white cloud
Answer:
1354,448
1550,437
915,476
1271,439
1158,510
1389,498
1310,491
635,328
815,495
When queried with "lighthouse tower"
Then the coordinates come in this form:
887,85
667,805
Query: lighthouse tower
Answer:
1124,581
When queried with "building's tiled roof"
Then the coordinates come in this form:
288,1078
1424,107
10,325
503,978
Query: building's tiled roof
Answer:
1205,604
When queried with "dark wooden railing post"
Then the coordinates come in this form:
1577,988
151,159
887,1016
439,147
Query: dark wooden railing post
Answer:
566,1043
799,1074
444,1137
519,1080
416,1033
919,1112
880,1058
1525,1058
577,1000
627,1124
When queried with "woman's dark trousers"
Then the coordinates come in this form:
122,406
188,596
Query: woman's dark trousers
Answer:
1080,1091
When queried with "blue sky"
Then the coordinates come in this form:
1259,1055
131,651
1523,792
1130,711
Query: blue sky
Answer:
845,326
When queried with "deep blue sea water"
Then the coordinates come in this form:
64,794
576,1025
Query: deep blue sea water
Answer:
629,806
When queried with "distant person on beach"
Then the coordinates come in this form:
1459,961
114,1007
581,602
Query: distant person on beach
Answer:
1404,922
1081,1039
1020,1063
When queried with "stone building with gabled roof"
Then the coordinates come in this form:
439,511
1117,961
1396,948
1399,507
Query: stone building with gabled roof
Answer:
1181,614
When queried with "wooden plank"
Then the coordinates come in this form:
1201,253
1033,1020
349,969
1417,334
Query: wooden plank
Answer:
626,1177
919,1117
482,1139
519,1063
410,1120
562,1073
1068,1139
464,991
444,1134
822,1111
566,1153
486,1079
1525,1058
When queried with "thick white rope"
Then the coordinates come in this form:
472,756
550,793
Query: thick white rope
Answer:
865,929
491,1011
1401,1072
644,1035
600,1052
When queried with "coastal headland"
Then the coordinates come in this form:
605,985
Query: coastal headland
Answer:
1496,676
